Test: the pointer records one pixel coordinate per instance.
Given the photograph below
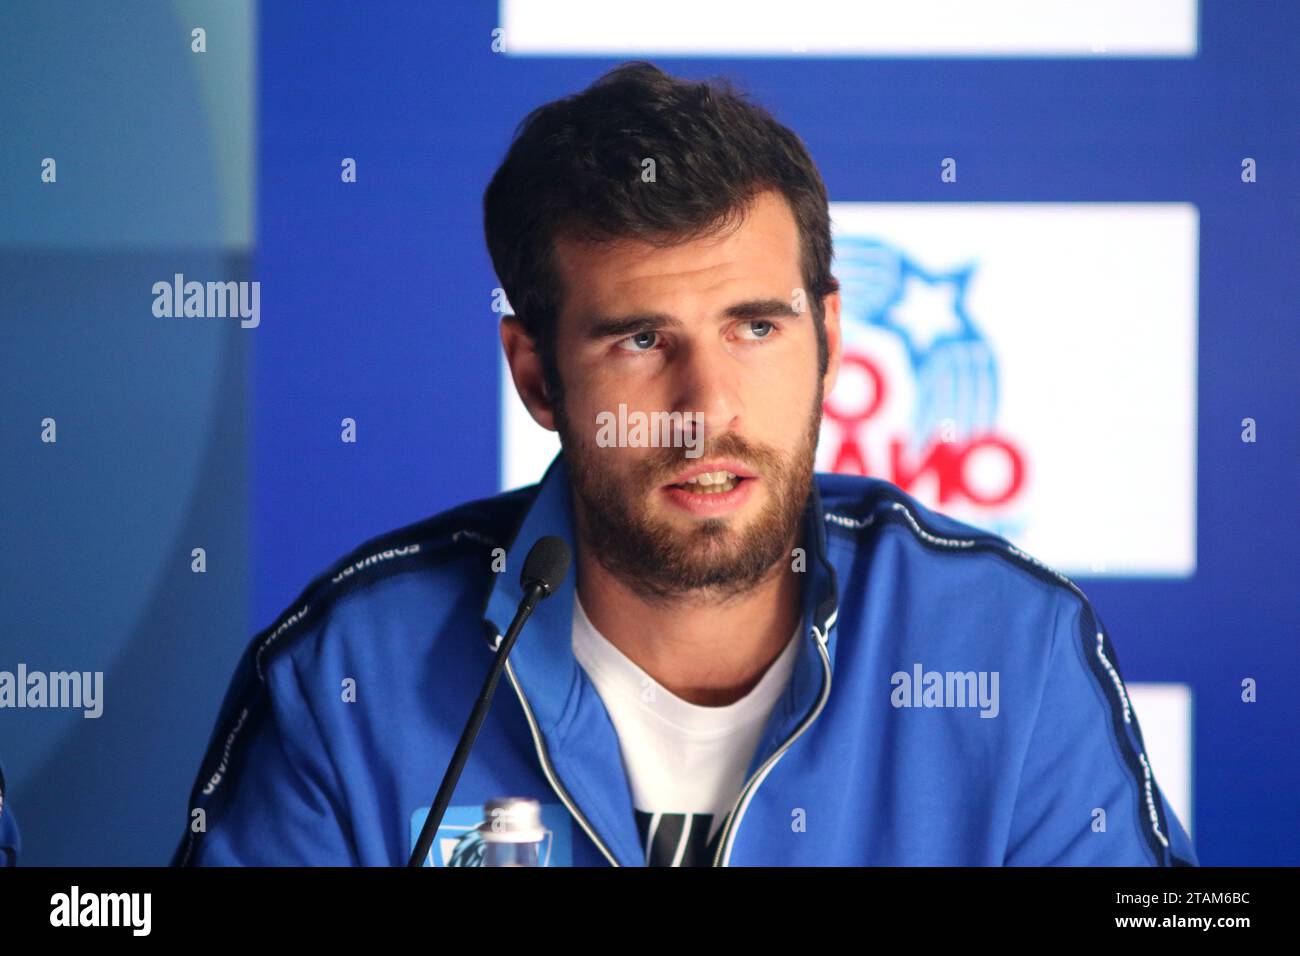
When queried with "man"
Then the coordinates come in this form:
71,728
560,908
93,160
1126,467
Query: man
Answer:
751,664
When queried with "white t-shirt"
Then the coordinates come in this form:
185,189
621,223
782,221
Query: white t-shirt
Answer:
685,762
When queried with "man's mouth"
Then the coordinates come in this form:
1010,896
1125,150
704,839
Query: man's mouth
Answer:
717,477
711,483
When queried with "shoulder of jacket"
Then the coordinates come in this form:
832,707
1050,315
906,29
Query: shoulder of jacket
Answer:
470,529
856,507
466,530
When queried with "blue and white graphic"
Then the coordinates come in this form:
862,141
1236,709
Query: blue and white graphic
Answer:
952,365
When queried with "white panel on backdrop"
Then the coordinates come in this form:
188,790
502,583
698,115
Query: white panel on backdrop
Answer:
967,28
1027,368
1164,712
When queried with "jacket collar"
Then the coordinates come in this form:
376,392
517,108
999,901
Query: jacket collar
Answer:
575,730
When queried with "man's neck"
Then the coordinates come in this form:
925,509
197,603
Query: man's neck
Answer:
702,649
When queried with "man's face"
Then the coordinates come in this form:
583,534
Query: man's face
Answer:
707,329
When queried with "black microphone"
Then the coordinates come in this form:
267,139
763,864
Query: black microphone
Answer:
544,570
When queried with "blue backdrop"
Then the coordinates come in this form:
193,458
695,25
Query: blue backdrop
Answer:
376,306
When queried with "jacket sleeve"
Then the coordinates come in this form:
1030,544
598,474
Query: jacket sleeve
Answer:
269,792
1086,794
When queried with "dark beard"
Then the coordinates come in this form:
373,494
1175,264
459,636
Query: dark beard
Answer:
657,561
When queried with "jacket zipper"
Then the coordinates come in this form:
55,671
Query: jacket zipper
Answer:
549,770
751,787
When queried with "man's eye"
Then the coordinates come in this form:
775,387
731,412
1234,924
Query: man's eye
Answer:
640,342
760,328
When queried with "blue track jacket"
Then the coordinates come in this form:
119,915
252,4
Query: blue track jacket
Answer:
954,702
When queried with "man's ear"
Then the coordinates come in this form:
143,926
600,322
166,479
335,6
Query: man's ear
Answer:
526,370
831,305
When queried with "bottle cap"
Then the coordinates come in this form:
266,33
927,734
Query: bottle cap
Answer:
512,820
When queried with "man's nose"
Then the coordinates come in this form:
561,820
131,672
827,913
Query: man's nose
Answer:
707,390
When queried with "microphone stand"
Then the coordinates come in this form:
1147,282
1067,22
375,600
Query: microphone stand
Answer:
533,595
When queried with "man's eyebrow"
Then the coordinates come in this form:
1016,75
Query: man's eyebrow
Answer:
762,309
637,322
625,325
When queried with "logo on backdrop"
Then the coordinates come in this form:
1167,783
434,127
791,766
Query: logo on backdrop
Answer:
931,414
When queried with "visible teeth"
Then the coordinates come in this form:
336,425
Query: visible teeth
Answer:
711,483
711,478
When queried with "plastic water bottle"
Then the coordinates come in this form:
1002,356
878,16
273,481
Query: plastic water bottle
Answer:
512,832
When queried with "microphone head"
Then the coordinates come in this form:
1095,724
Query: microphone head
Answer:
547,564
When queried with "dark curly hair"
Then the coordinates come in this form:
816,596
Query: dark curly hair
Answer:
574,169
